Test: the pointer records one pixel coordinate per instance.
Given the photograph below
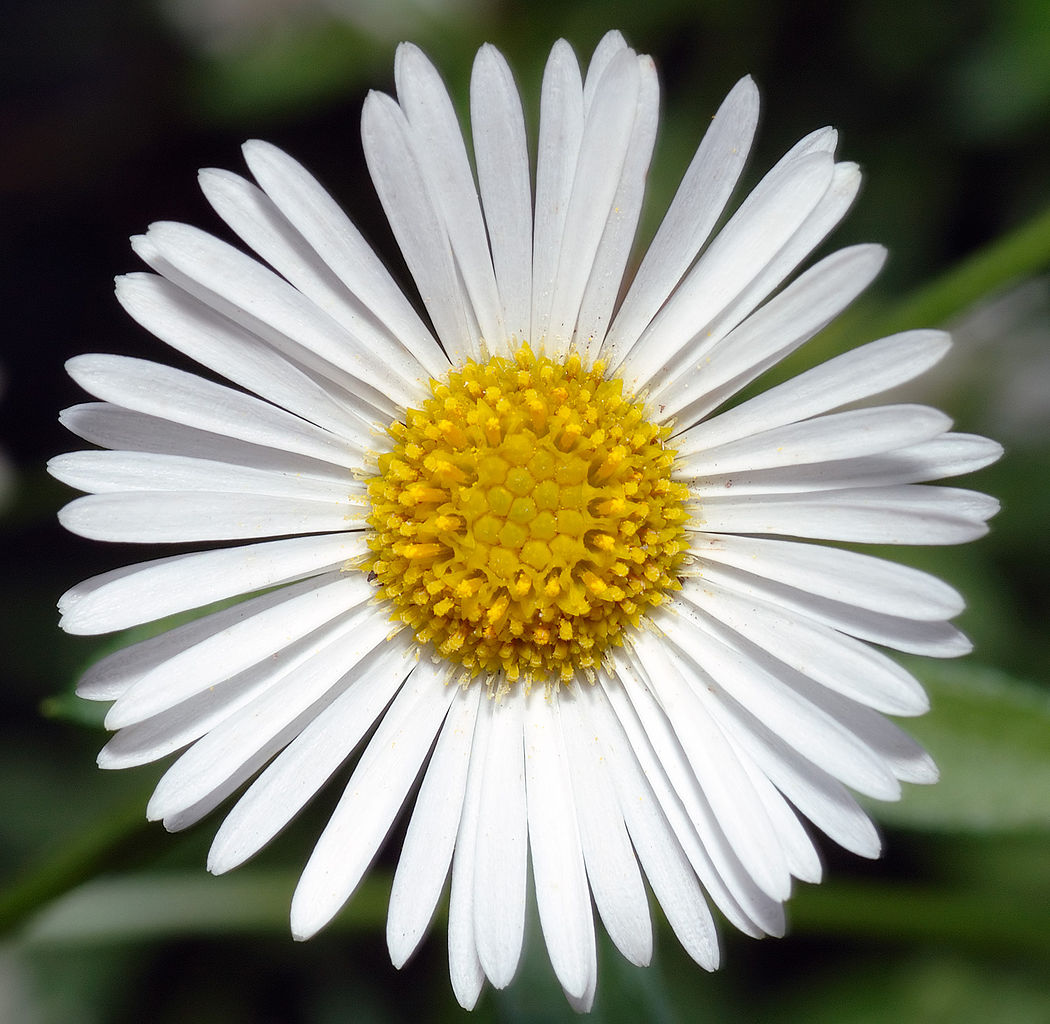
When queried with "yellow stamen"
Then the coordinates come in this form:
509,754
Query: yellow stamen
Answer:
525,518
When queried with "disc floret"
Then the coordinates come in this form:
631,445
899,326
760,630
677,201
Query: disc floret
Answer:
525,517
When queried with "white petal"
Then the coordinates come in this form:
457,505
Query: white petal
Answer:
779,327
828,211
769,216
818,796
722,778
836,436
194,402
366,400
500,147
858,374
934,639
944,456
561,132
670,871
904,757
244,290
750,678
864,515
109,678
501,849
606,136
612,870
609,46
151,590
365,314
218,343
125,430
696,207
417,224
660,756
191,719
799,852
846,576
436,133
373,796
323,741
179,820
801,855
832,659
260,631
321,221
254,216
821,140
465,970
107,472
236,748
562,893
610,261
193,516
429,842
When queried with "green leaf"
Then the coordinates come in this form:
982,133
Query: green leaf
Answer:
990,736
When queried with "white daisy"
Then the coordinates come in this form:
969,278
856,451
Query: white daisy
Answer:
518,538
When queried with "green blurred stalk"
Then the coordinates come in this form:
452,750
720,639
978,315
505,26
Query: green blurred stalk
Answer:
119,840
988,919
1019,254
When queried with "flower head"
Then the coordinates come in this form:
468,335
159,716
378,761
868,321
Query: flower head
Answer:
529,538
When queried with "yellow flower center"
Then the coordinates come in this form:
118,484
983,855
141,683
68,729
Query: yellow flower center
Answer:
525,518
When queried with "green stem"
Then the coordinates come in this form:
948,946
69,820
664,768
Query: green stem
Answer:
122,838
1019,254
1006,922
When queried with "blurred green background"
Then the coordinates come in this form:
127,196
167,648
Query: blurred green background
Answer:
107,109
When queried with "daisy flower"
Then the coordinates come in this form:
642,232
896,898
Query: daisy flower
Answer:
522,548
